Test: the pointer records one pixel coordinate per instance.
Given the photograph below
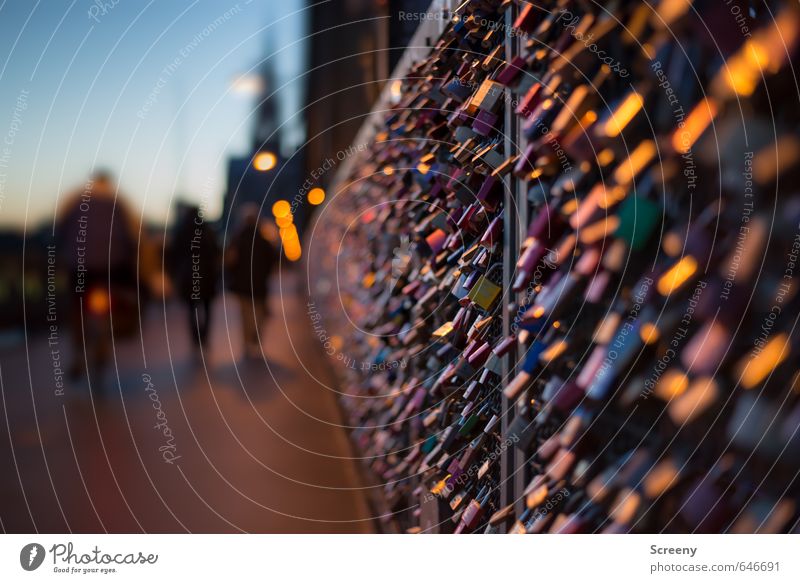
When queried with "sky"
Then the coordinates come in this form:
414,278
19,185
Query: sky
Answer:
144,88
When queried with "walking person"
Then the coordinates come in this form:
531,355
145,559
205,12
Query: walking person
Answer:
249,259
195,259
99,235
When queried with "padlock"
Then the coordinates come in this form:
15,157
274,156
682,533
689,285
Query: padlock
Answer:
485,293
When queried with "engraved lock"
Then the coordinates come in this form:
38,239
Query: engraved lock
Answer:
444,331
522,430
468,256
488,96
512,71
464,133
505,167
458,89
459,290
486,291
484,123
490,192
493,234
493,60
529,101
488,159
494,364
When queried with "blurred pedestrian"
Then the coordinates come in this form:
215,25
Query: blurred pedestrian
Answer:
194,258
98,234
249,259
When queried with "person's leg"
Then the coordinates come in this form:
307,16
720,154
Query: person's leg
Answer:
205,304
248,322
78,317
77,366
260,309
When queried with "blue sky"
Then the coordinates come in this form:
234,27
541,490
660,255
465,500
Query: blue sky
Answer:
140,87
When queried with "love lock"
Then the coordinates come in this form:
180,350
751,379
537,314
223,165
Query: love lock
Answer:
485,292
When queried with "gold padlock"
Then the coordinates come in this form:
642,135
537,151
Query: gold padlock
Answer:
444,330
484,293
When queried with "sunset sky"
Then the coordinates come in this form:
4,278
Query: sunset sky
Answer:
144,89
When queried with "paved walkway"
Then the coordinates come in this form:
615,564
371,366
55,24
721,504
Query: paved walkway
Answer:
255,447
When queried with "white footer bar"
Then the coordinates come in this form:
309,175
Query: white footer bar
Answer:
388,558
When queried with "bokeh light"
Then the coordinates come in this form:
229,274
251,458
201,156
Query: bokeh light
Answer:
316,196
265,161
281,208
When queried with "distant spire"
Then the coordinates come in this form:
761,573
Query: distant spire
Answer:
267,109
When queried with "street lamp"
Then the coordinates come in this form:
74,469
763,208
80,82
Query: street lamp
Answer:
316,196
281,208
265,161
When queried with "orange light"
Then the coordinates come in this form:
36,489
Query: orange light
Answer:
606,329
368,280
291,249
672,384
289,233
98,301
605,157
554,351
388,170
265,161
672,244
284,221
759,367
611,196
700,395
316,196
639,158
669,11
440,486
293,253
570,206
443,330
677,275
537,497
649,333
625,510
626,111
599,230
745,71
281,208
660,479
764,53
696,123
291,243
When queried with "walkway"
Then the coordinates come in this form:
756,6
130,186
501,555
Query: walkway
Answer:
253,447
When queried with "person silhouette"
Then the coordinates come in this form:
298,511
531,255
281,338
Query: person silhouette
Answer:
250,259
195,261
98,235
